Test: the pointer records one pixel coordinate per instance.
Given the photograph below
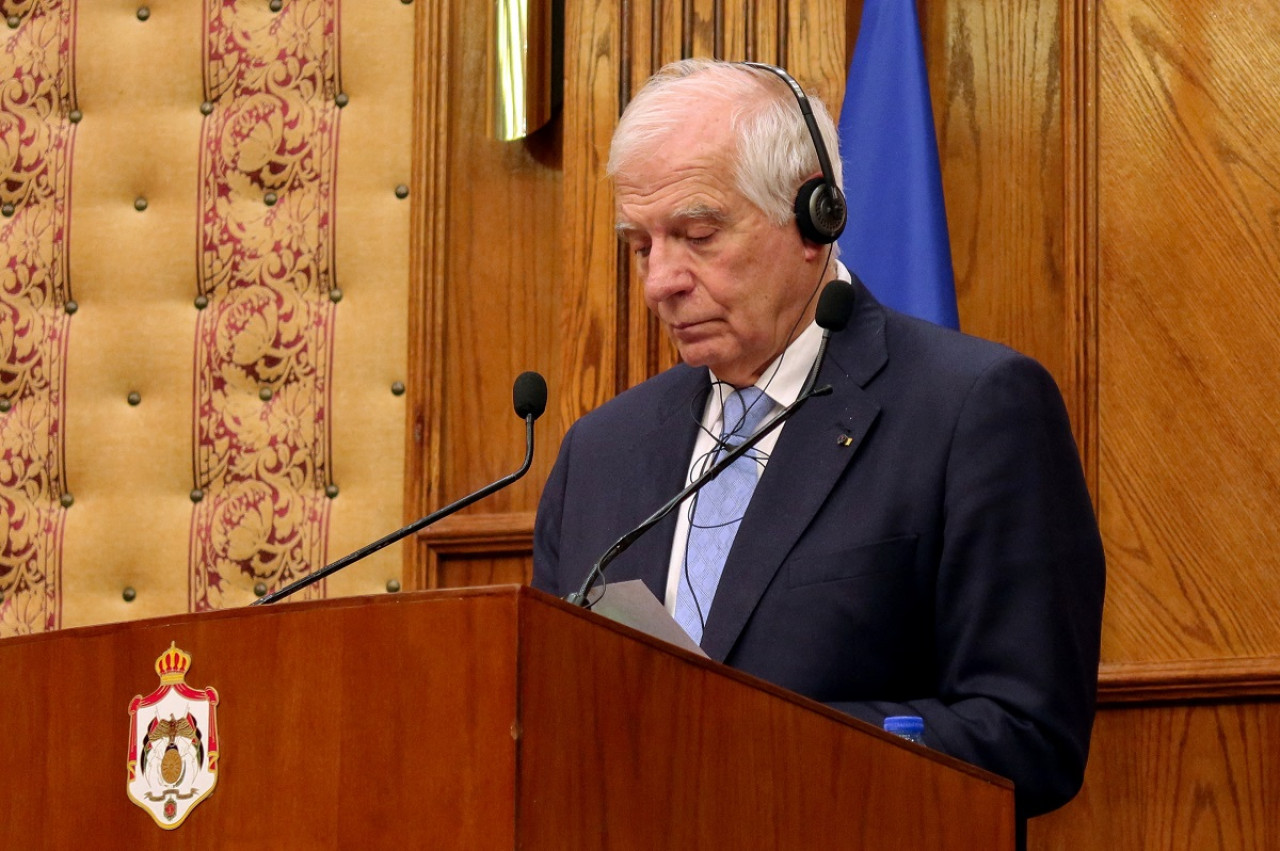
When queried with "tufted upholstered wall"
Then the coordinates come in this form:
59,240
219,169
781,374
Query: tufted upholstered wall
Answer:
204,271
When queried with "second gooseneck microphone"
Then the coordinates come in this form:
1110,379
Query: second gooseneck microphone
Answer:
529,396
835,306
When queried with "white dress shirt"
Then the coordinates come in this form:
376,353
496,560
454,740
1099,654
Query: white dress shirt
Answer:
782,380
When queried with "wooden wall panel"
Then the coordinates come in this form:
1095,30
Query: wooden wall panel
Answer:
591,310
996,84
488,266
480,549
1189,327
1111,180
1178,777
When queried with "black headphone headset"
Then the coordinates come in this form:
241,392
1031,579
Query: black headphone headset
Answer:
820,206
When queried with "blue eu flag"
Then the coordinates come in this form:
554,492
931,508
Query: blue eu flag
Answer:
896,239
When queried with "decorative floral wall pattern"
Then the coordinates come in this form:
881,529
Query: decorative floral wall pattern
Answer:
37,99
178,398
264,340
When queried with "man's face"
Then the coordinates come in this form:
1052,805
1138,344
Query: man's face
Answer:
728,284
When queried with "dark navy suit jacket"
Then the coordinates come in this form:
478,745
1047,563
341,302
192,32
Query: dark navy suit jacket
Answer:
921,542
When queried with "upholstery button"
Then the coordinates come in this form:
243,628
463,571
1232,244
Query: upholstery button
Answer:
393,586
140,204
135,398
402,191
143,13
129,594
335,295
202,301
74,116
259,589
397,388
342,100
206,107
71,306
67,500
331,491
265,394
196,494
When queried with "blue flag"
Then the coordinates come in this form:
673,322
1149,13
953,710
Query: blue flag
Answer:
896,239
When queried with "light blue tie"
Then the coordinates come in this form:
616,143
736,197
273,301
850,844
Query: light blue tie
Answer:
718,510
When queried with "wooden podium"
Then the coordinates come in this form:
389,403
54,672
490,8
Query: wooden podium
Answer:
474,719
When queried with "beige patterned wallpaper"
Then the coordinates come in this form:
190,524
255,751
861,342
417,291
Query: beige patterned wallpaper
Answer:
203,279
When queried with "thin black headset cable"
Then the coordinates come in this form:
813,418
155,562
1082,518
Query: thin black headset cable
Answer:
699,464
707,459
775,367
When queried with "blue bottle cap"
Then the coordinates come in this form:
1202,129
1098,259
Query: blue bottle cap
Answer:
904,725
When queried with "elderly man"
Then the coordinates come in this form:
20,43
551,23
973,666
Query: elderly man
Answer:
919,542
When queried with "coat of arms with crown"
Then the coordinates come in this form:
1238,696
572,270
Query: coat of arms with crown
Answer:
173,743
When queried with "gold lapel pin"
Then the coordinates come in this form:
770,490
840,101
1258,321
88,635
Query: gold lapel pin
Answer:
844,440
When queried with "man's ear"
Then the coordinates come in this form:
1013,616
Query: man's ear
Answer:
812,250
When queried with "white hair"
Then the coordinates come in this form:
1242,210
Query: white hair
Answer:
775,153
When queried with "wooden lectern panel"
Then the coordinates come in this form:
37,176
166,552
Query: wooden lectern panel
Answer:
472,719
642,745
352,723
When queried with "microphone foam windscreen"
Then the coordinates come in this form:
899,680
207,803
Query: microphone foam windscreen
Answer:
835,306
529,394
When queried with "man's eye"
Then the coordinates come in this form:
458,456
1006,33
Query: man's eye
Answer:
700,237
640,250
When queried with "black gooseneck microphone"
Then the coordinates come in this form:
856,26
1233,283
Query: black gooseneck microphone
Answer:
529,395
835,305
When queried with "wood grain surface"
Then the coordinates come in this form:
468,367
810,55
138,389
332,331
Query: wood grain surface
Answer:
488,718
1181,777
342,724
489,261
663,751
1189,326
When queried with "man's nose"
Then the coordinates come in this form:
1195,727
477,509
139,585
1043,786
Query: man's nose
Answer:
667,271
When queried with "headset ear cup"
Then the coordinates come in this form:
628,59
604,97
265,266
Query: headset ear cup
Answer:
820,211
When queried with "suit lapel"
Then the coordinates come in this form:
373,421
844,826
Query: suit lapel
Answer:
671,435
815,448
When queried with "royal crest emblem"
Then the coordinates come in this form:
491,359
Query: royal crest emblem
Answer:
173,743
